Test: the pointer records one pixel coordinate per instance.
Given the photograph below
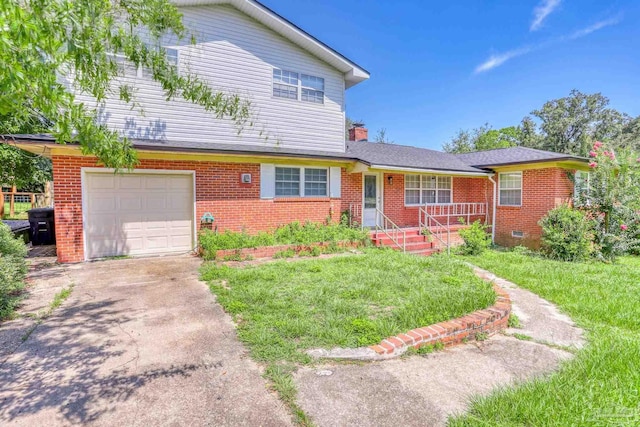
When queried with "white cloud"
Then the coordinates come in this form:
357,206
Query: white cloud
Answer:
593,28
540,13
498,59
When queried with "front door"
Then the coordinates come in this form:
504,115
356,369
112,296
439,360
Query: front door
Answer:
371,190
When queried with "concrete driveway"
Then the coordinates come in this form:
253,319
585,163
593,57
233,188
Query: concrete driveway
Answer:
138,342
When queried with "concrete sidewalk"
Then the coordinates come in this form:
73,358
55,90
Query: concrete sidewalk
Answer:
138,342
426,390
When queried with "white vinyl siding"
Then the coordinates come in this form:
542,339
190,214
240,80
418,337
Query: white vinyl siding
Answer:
427,189
301,182
510,189
237,54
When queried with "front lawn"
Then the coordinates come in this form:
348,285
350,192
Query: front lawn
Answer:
283,308
601,386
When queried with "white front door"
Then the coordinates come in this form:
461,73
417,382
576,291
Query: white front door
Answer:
371,200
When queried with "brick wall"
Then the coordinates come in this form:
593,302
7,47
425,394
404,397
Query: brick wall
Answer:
218,190
465,190
542,190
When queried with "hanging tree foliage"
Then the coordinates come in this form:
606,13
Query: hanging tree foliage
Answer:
42,41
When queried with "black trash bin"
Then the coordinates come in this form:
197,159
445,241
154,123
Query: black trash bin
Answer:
42,229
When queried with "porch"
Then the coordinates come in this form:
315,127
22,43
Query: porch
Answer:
436,230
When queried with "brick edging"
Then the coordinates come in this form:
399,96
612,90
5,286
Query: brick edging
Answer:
269,251
451,332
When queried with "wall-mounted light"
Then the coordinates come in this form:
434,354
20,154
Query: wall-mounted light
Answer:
245,178
207,218
390,180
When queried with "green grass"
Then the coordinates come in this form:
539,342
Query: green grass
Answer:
283,308
20,210
294,233
601,386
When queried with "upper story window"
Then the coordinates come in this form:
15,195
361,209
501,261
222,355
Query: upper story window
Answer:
427,189
128,69
510,185
301,182
301,87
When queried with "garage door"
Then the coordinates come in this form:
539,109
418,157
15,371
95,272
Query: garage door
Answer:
137,214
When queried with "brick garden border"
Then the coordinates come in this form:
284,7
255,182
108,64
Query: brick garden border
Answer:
270,251
488,321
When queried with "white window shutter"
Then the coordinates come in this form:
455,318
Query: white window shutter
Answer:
335,184
267,181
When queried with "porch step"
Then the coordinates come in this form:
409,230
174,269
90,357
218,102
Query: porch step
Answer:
384,240
425,252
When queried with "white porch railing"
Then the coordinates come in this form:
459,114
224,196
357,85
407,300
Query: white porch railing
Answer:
355,214
391,230
435,228
457,211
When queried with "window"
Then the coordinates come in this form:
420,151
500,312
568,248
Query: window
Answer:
285,84
581,184
288,84
301,182
511,189
124,66
427,189
312,89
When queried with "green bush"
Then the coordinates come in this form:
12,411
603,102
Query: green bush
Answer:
567,234
476,239
290,234
13,270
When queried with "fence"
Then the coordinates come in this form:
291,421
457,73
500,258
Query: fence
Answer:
16,204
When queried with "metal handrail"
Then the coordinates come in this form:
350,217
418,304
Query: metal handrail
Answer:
392,232
458,210
437,229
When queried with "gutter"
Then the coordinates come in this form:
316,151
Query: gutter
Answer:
493,208
435,171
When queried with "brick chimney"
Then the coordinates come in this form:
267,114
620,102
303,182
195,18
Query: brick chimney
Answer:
358,132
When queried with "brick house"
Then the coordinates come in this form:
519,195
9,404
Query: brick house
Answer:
192,165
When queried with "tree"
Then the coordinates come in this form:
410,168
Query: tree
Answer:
25,170
483,138
498,138
381,137
44,40
571,124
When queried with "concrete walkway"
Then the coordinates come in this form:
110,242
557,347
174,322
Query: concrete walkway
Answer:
425,390
140,342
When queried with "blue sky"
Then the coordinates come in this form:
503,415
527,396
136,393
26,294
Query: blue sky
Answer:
440,66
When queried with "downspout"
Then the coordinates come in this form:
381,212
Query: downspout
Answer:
493,214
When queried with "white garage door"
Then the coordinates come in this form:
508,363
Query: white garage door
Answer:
137,214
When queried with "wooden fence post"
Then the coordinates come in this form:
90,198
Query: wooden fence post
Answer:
12,202
2,205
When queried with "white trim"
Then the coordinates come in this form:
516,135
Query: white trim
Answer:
379,192
429,171
301,192
413,205
353,74
92,170
521,188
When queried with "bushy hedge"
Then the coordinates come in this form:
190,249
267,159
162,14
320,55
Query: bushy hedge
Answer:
13,270
567,234
476,239
290,234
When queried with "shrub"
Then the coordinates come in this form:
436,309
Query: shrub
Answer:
13,270
476,239
567,234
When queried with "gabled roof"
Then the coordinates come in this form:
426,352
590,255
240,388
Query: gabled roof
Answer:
513,156
380,155
353,73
